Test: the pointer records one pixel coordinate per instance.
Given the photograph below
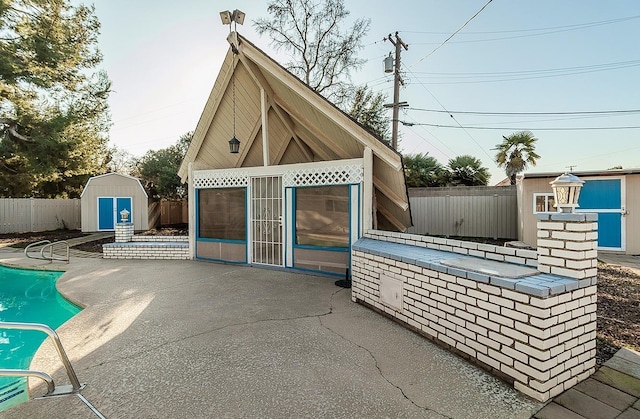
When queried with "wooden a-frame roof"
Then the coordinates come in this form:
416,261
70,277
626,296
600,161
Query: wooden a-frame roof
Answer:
300,126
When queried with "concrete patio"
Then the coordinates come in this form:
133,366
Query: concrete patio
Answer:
197,339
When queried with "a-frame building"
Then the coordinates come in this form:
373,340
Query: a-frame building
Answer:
306,183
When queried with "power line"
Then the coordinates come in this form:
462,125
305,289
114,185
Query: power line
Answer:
534,72
459,124
453,34
607,112
448,155
576,26
519,129
511,37
559,74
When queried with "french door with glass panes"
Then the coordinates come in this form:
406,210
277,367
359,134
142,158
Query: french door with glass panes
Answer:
266,220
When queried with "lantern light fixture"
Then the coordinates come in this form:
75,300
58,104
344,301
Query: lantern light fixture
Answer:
566,191
124,215
234,145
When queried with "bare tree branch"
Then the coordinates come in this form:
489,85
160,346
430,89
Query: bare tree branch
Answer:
12,128
323,55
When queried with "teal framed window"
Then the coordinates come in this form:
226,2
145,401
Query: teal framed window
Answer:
322,216
222,214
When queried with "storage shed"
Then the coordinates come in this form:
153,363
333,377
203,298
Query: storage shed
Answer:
104,196
613,194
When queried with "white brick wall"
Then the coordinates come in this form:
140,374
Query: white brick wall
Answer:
124,232
567,243
160,239
533,340
156,251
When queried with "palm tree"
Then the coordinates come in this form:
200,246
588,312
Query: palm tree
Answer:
516,152
467,171
422,170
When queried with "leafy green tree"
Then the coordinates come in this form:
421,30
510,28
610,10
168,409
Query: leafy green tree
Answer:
516,153
466,170
368,109
53,105
159,169
423,170
322,54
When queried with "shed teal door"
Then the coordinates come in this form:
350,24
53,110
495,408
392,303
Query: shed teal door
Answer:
121,204
605,197
109,211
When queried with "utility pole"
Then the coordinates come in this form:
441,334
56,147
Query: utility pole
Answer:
397,80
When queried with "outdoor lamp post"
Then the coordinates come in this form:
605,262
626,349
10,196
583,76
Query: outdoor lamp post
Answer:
124,216
566,191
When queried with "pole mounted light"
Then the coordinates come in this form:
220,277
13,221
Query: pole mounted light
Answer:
566,191
237,17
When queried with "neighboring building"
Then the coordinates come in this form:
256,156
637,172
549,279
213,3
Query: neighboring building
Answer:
613,194
104,196
306,182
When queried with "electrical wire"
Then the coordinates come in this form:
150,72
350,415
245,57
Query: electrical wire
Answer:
576,26
453,34
607,112
520,128
457,122
532,72
560,74
430,143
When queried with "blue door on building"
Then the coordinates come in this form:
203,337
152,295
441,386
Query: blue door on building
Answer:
605,197
109,211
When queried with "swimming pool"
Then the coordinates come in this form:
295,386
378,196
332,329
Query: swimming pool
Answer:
28,296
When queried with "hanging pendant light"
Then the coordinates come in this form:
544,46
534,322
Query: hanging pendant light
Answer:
234,143
236,17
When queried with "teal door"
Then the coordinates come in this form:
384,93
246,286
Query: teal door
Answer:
109,211
605,197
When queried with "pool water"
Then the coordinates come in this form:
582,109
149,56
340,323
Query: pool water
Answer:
28,296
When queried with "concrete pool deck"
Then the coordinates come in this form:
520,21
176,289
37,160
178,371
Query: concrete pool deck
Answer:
197,339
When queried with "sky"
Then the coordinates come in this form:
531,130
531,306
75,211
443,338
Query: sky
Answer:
567,62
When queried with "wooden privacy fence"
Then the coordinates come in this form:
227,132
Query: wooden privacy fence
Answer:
166,212
19,215
465,211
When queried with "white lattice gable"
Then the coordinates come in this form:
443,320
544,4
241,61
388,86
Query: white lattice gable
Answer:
339,172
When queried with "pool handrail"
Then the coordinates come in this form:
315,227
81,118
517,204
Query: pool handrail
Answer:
51,388
47,244
30,373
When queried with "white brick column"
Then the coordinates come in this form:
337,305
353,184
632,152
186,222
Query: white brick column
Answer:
124,232
567,244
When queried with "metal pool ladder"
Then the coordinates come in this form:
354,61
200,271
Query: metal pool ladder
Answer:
47,245
52,390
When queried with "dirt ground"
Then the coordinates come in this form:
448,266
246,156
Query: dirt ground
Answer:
618,310
22,240
618,290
